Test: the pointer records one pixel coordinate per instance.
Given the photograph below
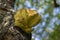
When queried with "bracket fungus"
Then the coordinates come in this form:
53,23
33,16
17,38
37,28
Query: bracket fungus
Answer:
26,19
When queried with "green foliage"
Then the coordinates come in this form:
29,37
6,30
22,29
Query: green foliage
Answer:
55,35
47,7
58,15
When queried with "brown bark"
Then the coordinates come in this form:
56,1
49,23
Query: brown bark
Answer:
7,29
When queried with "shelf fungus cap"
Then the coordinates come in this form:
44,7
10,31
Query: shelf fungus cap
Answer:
26,19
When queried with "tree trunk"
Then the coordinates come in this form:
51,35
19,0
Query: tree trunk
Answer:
7,29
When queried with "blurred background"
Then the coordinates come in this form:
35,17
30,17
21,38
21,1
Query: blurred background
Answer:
49,27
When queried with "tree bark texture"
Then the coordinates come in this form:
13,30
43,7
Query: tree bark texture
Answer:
7,29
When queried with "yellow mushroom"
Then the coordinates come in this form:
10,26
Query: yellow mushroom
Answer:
26,19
